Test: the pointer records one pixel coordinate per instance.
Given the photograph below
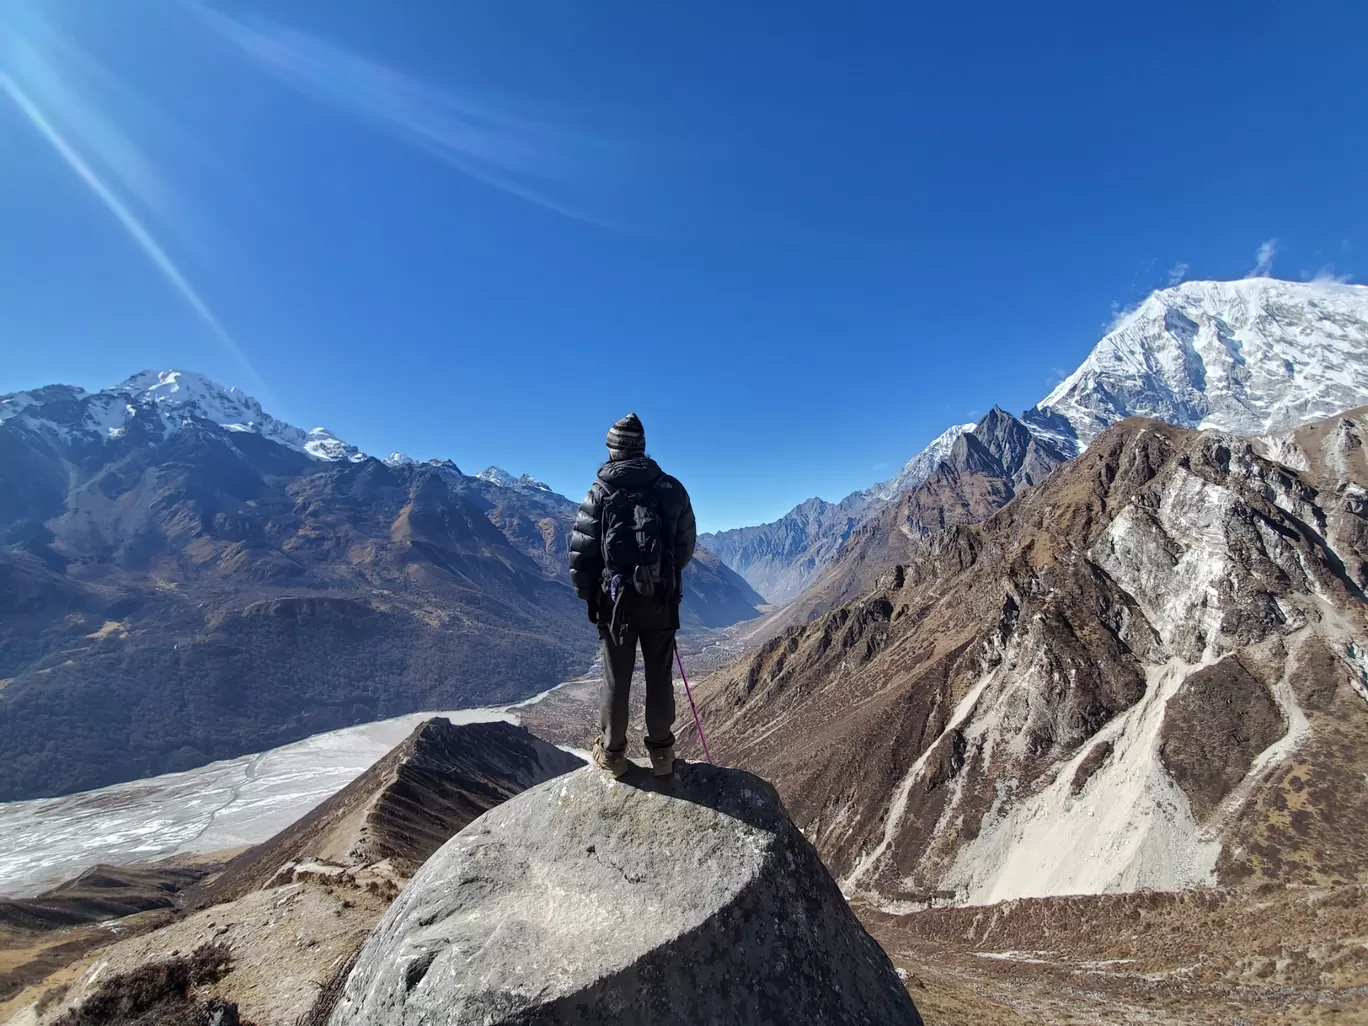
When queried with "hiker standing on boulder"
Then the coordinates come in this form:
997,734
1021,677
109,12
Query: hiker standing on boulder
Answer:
633,537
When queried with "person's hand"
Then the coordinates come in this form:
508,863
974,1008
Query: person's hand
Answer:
593,610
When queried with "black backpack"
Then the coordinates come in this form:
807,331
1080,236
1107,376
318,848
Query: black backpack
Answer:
633,543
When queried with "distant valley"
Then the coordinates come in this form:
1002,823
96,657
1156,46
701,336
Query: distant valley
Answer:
184,578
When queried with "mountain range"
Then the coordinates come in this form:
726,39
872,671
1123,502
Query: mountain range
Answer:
1102,667
1146,672
184,578
780,559
1251,357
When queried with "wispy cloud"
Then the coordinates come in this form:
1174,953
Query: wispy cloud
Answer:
1119,312
1327,273
130,222
41,80
540,159
1263,259
1178,274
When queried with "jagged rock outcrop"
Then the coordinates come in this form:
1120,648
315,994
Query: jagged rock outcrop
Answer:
594,901
983,470
402,809
1147,672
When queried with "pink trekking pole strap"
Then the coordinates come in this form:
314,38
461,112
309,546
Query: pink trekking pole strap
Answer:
707,754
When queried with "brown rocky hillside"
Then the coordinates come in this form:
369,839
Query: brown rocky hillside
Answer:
1146,672
985,468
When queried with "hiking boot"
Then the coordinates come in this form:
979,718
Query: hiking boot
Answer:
662,761
615,763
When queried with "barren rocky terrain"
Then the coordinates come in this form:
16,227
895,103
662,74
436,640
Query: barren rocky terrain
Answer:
1144,673
1268,956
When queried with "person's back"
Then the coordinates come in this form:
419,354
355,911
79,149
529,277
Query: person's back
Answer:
633,537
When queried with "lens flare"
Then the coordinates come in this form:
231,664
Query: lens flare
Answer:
536,159
42,63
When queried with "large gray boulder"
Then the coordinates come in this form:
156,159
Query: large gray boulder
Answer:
592,901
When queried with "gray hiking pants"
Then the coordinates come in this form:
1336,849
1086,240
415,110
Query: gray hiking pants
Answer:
657,653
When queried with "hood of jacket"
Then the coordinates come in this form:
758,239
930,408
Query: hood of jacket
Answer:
637,472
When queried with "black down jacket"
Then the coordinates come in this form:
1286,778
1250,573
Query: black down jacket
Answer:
676,514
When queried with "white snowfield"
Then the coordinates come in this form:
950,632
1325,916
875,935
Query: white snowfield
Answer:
224,805
175,396
922,465
1250,357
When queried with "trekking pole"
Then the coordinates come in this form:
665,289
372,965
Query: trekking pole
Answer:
689,691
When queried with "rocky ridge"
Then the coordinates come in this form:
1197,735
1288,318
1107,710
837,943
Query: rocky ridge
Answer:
781,559
1146,672
984,469
286,915
402,809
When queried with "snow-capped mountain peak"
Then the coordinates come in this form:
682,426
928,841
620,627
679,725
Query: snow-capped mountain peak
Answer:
17,402
173,398
922,465
1251,357
176,389
498,476
402,460
502,478
181,395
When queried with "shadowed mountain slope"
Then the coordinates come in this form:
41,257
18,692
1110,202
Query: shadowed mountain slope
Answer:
184,579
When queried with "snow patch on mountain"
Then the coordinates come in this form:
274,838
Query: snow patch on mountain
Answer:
920,466
184,395
1251,357
498,476
502,478
174,397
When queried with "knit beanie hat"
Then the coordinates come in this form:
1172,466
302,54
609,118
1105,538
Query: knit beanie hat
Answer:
627,435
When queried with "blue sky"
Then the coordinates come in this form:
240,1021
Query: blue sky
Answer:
800,239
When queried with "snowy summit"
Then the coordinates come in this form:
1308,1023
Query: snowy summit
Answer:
174,397
502,478
1250,357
